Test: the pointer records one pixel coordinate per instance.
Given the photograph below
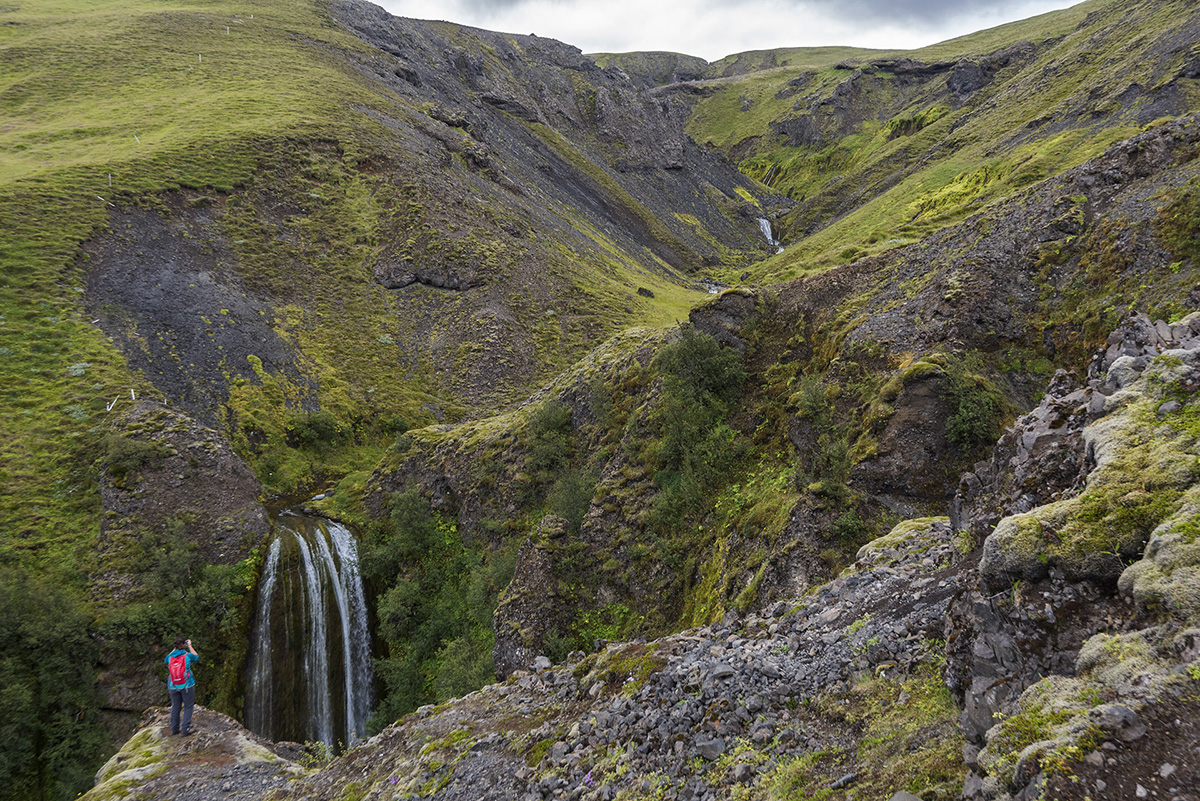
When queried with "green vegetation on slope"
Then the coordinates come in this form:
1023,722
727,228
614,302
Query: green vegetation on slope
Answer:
108,104
435,609
50,739
909,156
71,148
912,744
170,110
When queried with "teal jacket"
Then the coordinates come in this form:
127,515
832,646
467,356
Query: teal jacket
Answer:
191,660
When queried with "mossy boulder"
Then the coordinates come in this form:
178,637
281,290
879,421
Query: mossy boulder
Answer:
1167,579
911,536
1141,471
220,757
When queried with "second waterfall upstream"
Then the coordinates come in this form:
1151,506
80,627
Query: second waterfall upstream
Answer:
309,674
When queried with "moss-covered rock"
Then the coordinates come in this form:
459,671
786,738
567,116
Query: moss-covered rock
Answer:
1141,470
220,756
1167,579
911,536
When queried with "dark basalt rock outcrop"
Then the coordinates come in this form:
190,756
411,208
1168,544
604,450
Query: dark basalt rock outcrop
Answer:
726,317
458,276
531,606
908,468
650,69
165,287
1041,601
522,77
880,89
1039,459
169,483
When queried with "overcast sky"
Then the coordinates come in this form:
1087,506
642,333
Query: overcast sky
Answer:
712,29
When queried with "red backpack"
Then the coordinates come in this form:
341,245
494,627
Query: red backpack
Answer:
177,669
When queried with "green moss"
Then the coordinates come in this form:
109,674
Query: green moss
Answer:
1020,731
141,750
911,744
1143,470
915,371
625,667
451,742
903,534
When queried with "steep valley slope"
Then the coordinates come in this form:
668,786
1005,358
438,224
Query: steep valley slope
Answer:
905,507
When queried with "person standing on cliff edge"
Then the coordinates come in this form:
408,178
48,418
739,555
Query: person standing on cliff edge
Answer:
181,684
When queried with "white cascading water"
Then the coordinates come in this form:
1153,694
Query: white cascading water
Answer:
765,225
309,675
258,684
357,649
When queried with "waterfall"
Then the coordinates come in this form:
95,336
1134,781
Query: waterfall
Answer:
765,225
309,674
258,685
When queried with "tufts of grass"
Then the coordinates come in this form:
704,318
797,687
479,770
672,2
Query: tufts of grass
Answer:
905,737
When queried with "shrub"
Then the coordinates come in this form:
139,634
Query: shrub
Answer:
436,602
571,496
1178,223
123,455
557,646
850,529
696,449
549,436
405,536
51,739
696,368
978,408
831,464
169,560
463,665
811,399
317,429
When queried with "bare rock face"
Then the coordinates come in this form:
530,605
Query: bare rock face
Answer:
725,318
530,607
1039,459
1083,506
168,479
160,284
434,273
909,467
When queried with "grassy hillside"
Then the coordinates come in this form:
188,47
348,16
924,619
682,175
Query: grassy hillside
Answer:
267,127
878,151
233,236
212,207
113,103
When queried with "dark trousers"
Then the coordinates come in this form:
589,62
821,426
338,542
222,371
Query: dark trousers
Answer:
184,698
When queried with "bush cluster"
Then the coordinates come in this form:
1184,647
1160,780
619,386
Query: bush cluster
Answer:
435,601
696,448
51,738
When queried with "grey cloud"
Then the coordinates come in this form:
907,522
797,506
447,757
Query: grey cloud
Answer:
915,11
485,7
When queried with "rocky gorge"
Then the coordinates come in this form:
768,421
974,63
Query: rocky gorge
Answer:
1074,681
643,503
